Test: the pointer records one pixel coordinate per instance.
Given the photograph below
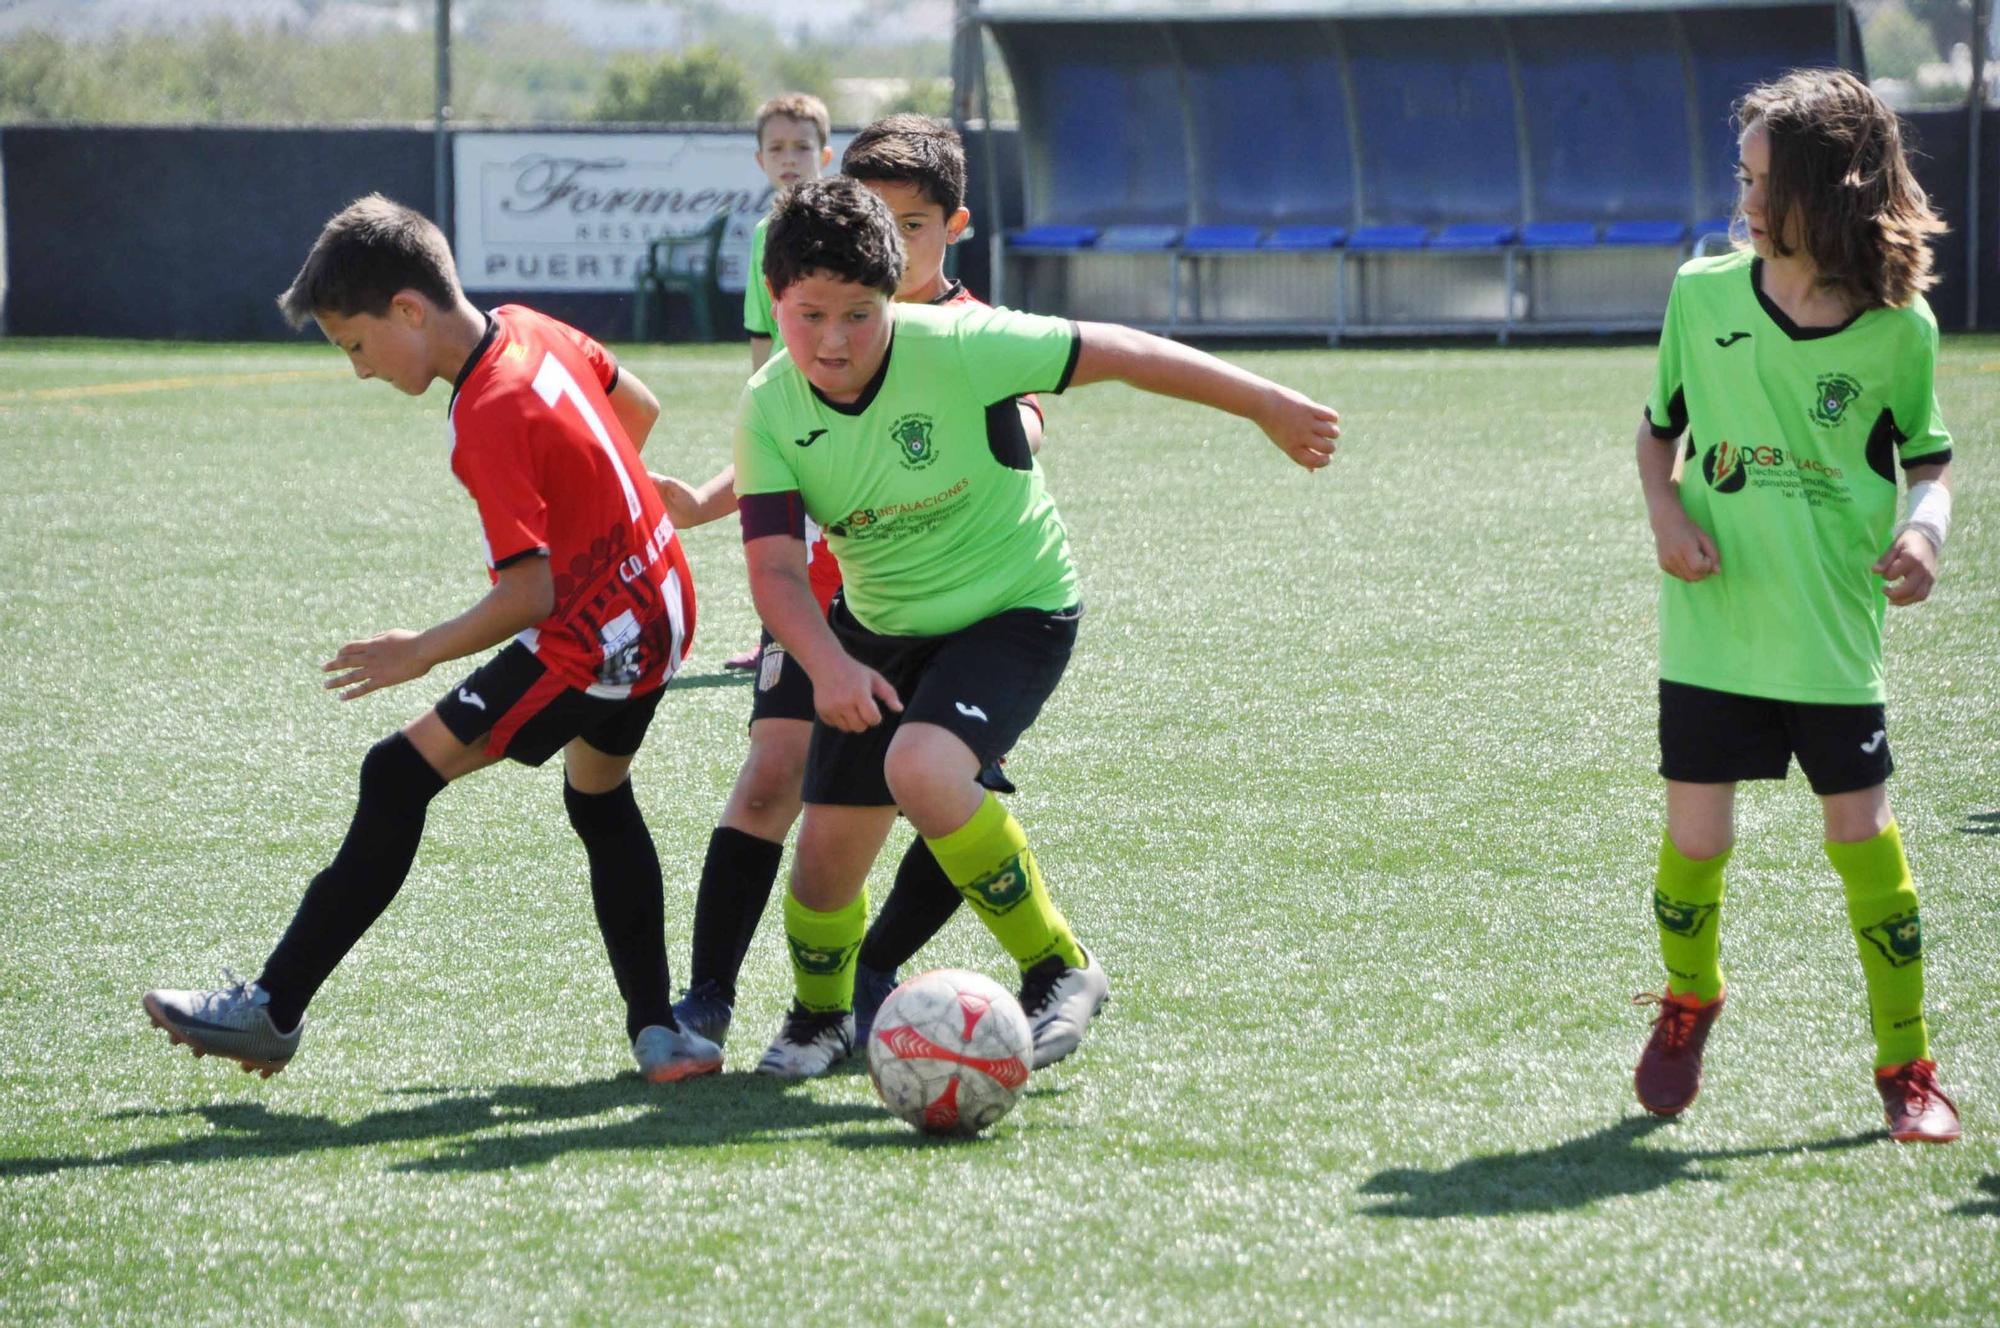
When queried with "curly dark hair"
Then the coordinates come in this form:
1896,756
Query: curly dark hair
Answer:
911,149
369,250
836,226
1840,187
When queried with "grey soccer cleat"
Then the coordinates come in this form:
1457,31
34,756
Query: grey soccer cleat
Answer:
1060,1002
810,1043
233,1022
669,1054
704,1011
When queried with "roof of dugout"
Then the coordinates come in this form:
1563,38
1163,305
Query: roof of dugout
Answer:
1191,11
1351,113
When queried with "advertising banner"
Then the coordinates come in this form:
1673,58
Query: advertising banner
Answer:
575,211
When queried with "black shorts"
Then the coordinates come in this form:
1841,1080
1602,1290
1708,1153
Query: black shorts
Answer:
527,714
783,689
1710,737
984,683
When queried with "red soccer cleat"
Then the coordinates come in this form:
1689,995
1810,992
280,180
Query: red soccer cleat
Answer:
1669,1075
745,661
1919,1112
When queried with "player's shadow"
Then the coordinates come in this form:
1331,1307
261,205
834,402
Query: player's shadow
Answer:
1981,823
485,1129
1987,1207
1605,1164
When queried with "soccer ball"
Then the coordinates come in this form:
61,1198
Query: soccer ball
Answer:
950,1052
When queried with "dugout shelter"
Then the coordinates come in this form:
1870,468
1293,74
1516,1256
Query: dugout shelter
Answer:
1357,167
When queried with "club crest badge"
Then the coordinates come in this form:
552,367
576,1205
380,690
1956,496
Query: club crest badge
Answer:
1835,393
912,435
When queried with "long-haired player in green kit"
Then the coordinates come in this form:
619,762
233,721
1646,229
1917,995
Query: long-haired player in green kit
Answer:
1794,375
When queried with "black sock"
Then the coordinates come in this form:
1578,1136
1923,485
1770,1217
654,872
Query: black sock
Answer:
626,889
921,902
343,901
736,880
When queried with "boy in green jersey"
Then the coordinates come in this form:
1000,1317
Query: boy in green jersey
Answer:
792,147
917,166
893,426
1799,370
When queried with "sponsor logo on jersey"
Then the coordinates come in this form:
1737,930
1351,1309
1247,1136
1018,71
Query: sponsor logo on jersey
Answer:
819,960
809,439
1732,339
1680,918
1900,938
912,435
999,891
1722,467
1835,393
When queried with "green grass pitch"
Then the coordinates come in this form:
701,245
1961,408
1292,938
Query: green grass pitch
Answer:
1350,785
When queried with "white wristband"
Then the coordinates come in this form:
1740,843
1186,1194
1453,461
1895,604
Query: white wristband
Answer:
1929,512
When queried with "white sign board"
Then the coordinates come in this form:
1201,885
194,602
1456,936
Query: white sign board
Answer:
574,212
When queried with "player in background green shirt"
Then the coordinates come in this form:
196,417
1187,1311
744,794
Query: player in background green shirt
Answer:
793,130
893,427
1793,375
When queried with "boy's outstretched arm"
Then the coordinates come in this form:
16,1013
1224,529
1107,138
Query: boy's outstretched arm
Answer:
635,406
524,595
847,693
1909,569
1303,429
1683,548
690,505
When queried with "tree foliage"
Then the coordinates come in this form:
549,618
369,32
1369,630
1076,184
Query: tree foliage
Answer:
703,85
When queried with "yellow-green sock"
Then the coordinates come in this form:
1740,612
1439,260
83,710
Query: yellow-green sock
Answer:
823,949
1882,909
989,860
1687,905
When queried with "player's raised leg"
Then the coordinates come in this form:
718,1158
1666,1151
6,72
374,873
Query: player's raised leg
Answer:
985,853
826,912
258,1024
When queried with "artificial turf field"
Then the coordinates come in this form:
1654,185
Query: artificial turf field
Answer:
1349,785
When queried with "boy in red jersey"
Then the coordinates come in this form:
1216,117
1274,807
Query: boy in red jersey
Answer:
917,166
588,581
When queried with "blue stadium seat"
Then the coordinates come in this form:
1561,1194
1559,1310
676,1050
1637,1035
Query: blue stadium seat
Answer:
1559,235
1645,232
1131,238
1053,238
1473,235
1208,239
1305,237
1718,226
1389,237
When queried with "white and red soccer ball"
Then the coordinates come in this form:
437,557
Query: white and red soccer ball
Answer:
950,1052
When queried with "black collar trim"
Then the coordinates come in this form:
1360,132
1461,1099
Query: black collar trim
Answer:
486,341
1782,319
860,404
950,293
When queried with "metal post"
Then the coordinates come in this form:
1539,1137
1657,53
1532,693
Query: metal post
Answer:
1974,241
440,138
996,242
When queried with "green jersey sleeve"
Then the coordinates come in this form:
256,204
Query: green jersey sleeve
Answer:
1006,353
761,464
758,321
1666,408
1919,426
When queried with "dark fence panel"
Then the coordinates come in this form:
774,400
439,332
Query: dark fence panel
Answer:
1268,125
1731,57
181,232
1604,101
